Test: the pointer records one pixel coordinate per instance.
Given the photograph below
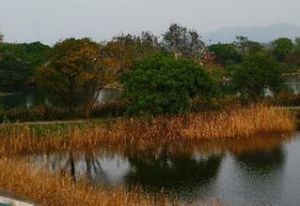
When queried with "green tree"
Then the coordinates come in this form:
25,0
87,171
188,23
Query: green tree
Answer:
73,65
226,54
282,47
162,84
20,60
13,71
246,47
1,41
297,45
256,73
182,42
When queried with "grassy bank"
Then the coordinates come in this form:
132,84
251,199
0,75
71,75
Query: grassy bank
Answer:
233,123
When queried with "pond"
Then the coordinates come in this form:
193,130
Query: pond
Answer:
264,170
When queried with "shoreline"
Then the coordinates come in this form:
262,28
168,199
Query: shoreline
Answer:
237,123
119,133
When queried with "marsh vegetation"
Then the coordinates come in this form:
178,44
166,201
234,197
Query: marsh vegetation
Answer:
184,112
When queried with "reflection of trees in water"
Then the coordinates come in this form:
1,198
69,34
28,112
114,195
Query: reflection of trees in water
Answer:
180,174
92,168
266,161
176,167
76,165
259,173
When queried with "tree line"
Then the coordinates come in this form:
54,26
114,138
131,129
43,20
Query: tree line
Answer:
160,74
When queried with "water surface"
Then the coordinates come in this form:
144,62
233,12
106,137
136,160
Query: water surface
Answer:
260,171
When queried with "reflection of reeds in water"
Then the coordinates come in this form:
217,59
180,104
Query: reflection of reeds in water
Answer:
56,190
242,122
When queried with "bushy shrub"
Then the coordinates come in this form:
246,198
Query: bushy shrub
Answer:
161,84
256,73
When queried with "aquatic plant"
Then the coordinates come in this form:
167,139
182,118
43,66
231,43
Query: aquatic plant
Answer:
59,189
234,123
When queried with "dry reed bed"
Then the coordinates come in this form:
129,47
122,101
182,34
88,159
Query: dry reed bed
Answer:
56,190
235,123
244,122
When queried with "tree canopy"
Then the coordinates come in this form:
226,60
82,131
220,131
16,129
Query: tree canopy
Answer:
256,73
73,65
18,62
225,53
282,47
162,84
183,42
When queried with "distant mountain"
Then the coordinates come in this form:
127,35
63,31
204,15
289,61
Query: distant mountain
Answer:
262,34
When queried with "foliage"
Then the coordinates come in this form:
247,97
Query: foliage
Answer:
18,62
256,73
183,42
282,47
162,84
119,54
246,47
225,53
73,65
297,45
13,71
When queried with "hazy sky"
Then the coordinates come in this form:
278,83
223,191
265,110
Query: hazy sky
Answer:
51,20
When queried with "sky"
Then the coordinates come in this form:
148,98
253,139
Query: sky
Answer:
51,20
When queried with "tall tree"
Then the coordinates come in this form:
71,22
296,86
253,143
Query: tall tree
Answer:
246,47
183,42
256,73
282,47
122,51
163,84
73,65
297,45
225,53
27,56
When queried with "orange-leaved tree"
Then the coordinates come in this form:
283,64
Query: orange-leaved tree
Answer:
74,66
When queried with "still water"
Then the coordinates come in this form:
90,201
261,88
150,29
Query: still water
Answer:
260,171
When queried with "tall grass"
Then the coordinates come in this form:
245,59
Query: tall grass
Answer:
243,122
145,135
234,123
58,190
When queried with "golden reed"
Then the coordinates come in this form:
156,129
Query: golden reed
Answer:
234,123
54,190
58,190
